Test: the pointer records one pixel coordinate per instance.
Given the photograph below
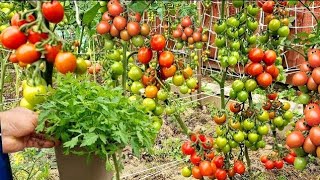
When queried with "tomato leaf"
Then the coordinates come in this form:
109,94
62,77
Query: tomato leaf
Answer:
89,139
72,143
138,6
90,14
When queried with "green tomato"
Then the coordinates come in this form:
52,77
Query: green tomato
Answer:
179,45
300,163
81,66
222,51
232,94
252,10
237,85
226,148
233,22
235,54
278,121
232,33
224,61
288,115
136,87
156,125
135,73
114,56
158,110
274,25
108,44
117,68
252,25
186,172
242,96
35,94
248,124
253,137
220,42
149,104
220,27
184,89
162,95
263,130
137,41
239,137
235,45
178,80
191,83
261,144
237,3
250,85
232,61
170,110
264,38
241,31
264,116
220,131
303,98
243,18
199,45
233,144
247,143
221,142
252,39
283,31
300,152
278,61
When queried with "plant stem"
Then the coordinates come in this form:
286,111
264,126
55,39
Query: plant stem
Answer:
246,153
182,124
222,95
2,75
16,68
81,36
223,3
124,64
116,166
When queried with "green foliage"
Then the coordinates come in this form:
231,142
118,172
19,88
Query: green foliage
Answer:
31,164
92,119
90,14
138,6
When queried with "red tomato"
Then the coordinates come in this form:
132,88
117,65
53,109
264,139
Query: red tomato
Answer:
115,8
168,72
187,148
312,51
51,52
300,79
106,17
255,69
218,161
234,107
278,164
12,37
315,135
301,125
209,155
295,139
316,75
311,84
314,60
270,57
166,59
208,143
144,55
289,159
264,79
103,27
264,159
272,70
308,146
206,168
272,96
194,137
195,159
13,58
34,37
239,167
269,164
268,6
305,67
256,55
221,174
27,53
16,21
196,172
158,42
53,11
133,28
312,115
119,22
65,62
186,22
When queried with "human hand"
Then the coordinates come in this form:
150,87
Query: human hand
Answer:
18,131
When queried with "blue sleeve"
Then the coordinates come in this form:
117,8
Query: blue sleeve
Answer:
5,169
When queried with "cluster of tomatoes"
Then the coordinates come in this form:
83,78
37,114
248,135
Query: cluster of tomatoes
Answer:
117,25
184,33
240,90
205,164
271,164
263,66
308,79
306,135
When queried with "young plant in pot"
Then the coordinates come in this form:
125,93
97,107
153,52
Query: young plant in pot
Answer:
94,123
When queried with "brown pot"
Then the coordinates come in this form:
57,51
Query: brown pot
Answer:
73,167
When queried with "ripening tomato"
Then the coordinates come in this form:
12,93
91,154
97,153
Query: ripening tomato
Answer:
312,115
314,135
27,53
186,22
256,55
166,59
206,169
144,55
270,57
34,37
234,107
13,58
308,146
314,60
187,148
106,16
267,7
264,79
168,72
220,119
305,67
53,11
316,75
196,172
208,143
186,172
51,52
158,42
301,125
16,21
103,27
133,28
311,84
115,8
12,37
65,62
295,139
151,91
264,159
119,22
269,164
145,29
